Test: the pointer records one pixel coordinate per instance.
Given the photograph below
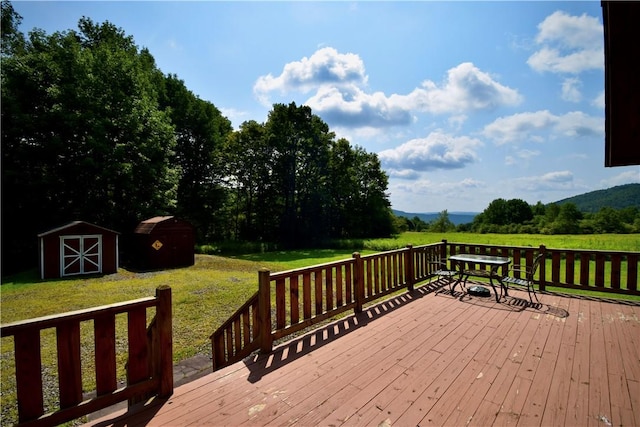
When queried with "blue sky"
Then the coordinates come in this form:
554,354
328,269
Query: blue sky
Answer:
464,102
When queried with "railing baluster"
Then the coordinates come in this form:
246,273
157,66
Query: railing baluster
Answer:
328,277
294,299
367,266
318,287
138,362
615,271
570,267
237,335
599,270
306,295
376,275
348,283
28,374
585,259
280,304
632,272
105,353
69,364
339,287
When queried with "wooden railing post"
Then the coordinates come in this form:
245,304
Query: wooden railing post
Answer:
358,275
264,310
164,351
542,268
409,269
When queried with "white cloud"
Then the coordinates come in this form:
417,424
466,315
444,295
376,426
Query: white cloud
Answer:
628,177
599,101
428,187
325,66
569,44
552,181
403,174
466,88
436,151
342,98
577,123
522,155
535,126
352,107
571,89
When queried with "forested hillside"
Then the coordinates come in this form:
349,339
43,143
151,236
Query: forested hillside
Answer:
620,197
615,210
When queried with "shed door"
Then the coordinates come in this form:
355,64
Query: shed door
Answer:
80,254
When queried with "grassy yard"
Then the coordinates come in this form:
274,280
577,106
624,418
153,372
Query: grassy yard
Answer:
204,295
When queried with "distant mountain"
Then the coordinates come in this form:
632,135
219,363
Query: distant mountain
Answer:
622,196
455,217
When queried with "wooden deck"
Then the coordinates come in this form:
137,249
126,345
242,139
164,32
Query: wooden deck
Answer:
430,358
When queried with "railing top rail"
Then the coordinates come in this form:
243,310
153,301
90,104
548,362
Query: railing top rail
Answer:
297,271
602,251
490,245
595,251
53,320
379,254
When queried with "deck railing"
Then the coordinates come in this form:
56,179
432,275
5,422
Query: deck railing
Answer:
583,269
149,366
289,301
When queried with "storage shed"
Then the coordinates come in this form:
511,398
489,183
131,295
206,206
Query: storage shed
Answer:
163,242
77,248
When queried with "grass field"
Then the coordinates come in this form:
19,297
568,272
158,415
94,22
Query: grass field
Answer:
206,294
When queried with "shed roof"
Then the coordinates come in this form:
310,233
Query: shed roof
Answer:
147,226
73,224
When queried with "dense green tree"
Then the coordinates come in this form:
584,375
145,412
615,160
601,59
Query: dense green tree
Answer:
538,209
343,187
567,221
82,134
249,162
608,220
200,131
371,215
501,212
301,153
12,38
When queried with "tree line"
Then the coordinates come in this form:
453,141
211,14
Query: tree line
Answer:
516,216
93,130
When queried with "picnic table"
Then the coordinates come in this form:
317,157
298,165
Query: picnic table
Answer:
461,261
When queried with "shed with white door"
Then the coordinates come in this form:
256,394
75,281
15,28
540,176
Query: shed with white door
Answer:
77,248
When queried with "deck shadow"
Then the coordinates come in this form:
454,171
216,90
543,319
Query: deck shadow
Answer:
509,303
262,364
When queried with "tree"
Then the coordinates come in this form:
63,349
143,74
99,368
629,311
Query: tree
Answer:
442,223
201,132
608,220
82,134
301,152
502,212
12,38
249,161
567,220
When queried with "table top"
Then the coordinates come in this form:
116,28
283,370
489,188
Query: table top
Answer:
481,259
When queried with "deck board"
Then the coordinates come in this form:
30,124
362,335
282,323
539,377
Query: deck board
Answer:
430,358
